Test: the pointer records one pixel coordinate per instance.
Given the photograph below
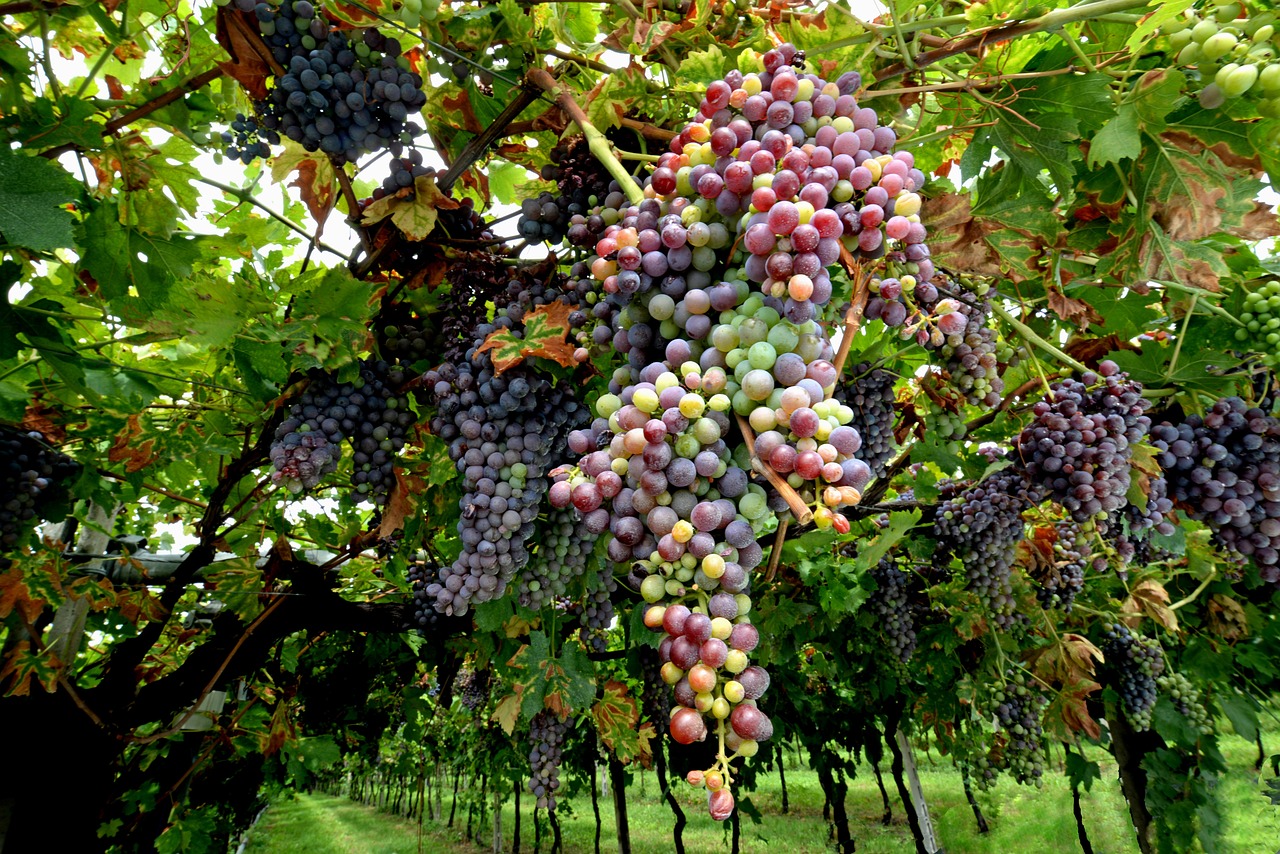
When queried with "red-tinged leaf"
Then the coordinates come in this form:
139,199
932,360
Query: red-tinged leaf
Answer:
139,605
617,719
1227,619
545,331
126,448
237,33
281,732
366,13
15,593
315,178
45,419
1093,350
1068,713
24,666
402,503
1153,600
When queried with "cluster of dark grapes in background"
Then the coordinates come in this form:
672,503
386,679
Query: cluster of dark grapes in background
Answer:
1224,470
596,612
401,174
366,411
582,183
982,527
31,474
870,395
1019,706
1133,663
546,736
564,546
473,687
246,140
1079,445
895,613
341,96
1064,577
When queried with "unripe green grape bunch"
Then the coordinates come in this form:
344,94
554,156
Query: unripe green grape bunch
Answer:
1261,318
1234,47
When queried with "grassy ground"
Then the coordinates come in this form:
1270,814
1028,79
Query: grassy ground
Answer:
1022,820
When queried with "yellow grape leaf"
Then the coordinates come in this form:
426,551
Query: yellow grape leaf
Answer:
402,502
1152,599
617,720
416,216
507,713
546,329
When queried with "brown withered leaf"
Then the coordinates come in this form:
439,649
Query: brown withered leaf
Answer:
1259,224
1194,145
1068,712
1073,310
41,418
127,449
315,178
1153,600
1227,618
1091,351
402,502
960,241
237,33
15,594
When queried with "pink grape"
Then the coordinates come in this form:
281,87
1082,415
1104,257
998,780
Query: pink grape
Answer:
804,422
845,440
953,324
783,459
804,238
560,494
748,722
808,464
687,726
783,217
714,651
897,227
755,681
586,497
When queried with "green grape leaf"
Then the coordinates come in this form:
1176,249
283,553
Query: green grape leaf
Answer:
1119,139
34,195
128,263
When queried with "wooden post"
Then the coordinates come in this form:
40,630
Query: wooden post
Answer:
927,834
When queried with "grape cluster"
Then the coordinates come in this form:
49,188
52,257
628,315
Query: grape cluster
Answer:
501,430
1019,707
473,688
402,173
982,526
870,395
894,611
246,140
546,732
1235,48
596,612
1224,470
343,97
31,474
969,355
367,411
413,12
582,184
1261,318
564,547
308,443
1186,698
1133,664
1130,534
1063,577
1080,443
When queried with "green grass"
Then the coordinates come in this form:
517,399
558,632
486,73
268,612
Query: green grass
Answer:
1023,820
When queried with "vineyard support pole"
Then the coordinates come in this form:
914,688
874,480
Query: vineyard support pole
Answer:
595,800
497,820
927,835
515,829
67,631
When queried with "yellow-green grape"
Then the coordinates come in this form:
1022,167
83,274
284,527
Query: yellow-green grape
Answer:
1238,81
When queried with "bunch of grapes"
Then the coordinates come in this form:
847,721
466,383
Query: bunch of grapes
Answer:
546,732
892,606
501,430
1261,318
1130,534
1063,577
1019,707
982,527
564,547
31,474
1133,664
596,613
1234,47
343,97
870,395
473,688
402,173
1186,698
582,183
246,140
969,355
308,443
379,430
1080,443
1224,470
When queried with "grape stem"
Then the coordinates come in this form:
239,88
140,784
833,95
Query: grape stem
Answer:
798,508
857,305
1030,335
1191,597
596,141
775,555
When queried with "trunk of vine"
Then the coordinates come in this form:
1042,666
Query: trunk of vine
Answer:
453,807
782,780
664,786
977,810
555,832
887,818
595,800
618,783
515,833
835,789
1130,747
